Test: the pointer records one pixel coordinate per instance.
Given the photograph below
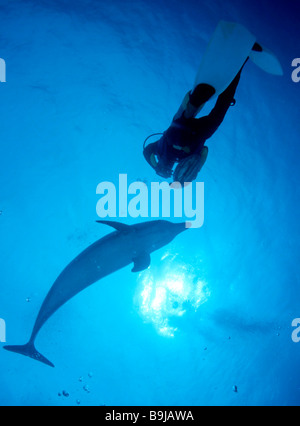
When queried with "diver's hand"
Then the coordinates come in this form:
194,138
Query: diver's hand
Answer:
188,169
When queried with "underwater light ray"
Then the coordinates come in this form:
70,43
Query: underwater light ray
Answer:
169,293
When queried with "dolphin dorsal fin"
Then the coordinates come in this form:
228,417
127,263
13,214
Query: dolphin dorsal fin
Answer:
116,225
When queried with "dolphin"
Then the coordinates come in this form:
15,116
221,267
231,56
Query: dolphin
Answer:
117,250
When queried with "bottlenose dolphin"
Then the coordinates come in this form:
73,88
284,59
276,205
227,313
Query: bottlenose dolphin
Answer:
115,251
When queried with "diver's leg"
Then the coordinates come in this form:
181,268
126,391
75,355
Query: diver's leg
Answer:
209,125
226,99
257,48
201,95
194,101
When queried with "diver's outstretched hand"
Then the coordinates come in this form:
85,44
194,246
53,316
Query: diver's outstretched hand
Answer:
188,169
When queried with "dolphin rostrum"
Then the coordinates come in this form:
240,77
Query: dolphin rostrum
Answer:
115,251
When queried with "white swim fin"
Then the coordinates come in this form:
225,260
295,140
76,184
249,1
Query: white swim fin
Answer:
267,61
225,55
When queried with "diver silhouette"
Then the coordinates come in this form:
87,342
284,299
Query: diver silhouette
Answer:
184,141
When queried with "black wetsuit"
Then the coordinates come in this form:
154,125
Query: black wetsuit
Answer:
192,133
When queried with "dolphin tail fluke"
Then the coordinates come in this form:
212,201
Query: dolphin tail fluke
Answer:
30,351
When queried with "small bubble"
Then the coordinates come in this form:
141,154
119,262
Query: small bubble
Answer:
86,389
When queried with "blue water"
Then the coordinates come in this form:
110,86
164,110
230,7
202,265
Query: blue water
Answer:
87,81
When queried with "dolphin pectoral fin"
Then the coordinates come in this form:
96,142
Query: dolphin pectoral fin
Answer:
142,262
116,225
30,351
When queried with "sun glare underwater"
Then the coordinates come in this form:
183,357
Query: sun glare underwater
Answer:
83,83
